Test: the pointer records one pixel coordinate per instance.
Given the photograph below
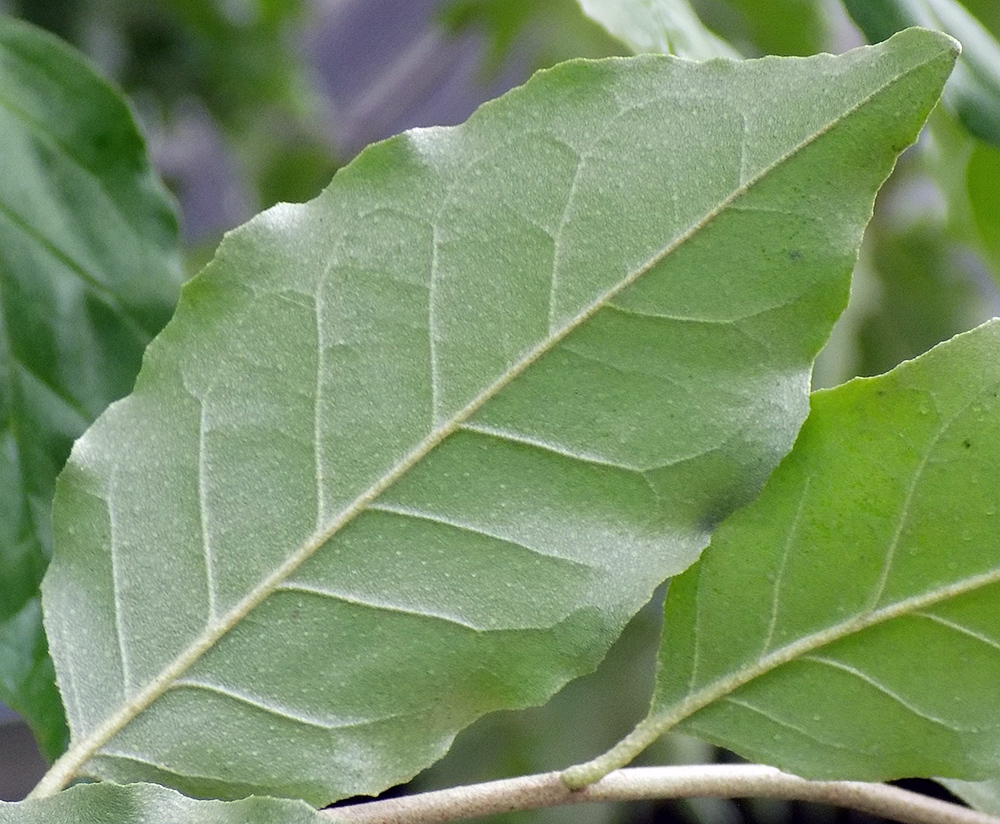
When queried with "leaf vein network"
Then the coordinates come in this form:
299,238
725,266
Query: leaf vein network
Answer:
878,686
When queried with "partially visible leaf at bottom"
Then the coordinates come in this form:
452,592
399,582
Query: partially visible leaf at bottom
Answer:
418,450
847,623
136,803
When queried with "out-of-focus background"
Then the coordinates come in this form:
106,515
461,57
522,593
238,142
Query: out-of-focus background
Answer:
245,103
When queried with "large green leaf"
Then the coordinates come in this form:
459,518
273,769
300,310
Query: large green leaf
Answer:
89,272
847,623
658,27
113,804
417,450
974,90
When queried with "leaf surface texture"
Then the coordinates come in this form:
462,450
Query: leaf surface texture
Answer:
418,449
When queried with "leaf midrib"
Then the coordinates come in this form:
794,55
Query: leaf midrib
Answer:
810,643
65,769
656,725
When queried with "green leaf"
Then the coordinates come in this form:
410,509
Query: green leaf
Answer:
458,417
983,182
847,623
974,89
113,804
658,27
89,272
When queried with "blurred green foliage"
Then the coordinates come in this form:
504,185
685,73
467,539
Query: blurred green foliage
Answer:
553,30
234,55
235,59
758,27
983,181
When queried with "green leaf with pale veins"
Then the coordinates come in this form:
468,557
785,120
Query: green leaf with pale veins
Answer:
846,624
89,272
658,27
114,804
418,449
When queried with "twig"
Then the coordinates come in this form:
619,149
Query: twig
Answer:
655,783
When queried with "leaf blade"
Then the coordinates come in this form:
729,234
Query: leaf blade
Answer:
853,679
259,610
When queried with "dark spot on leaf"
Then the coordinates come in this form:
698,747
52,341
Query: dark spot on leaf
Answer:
967,443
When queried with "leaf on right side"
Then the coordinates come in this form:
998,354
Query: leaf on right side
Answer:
973,92
847,623
658,27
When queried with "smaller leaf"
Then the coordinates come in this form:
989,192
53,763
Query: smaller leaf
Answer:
973,91
873,553
136,803
658,27
846,624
